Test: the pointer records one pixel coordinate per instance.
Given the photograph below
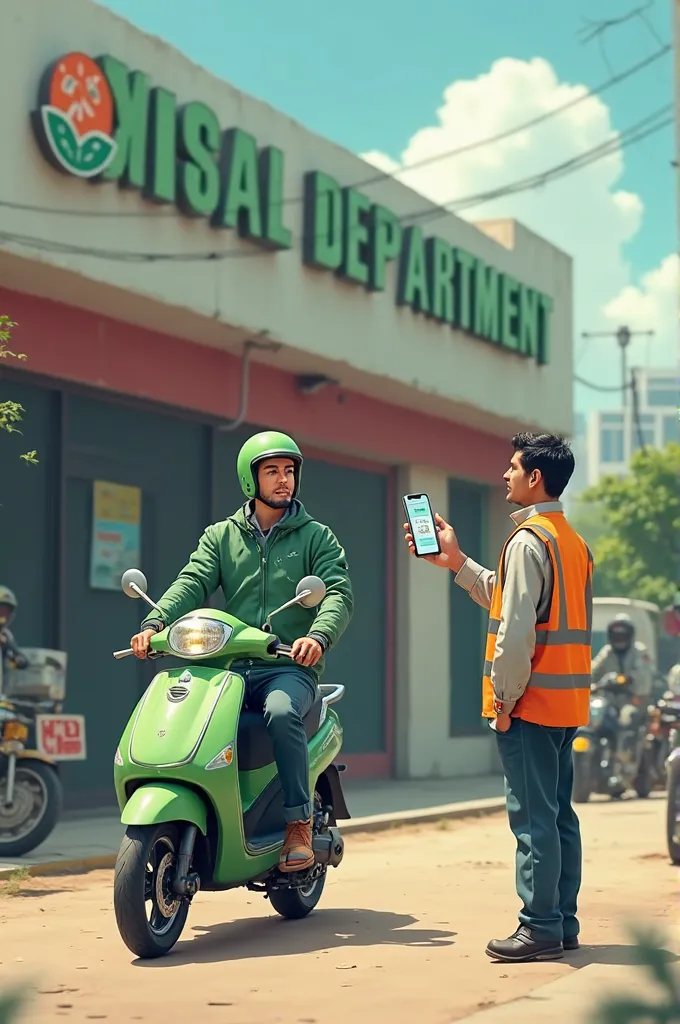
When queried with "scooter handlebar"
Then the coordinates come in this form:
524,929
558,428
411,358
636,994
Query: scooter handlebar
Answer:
123,654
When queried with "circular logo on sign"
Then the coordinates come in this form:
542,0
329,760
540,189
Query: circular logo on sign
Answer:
75,119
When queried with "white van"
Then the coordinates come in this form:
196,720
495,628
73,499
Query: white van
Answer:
644,614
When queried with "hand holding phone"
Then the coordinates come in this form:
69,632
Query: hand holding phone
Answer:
422,525
429,536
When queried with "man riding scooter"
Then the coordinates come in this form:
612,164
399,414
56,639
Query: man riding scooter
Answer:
255,556
628,657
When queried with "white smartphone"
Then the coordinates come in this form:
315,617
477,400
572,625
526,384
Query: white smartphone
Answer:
422,525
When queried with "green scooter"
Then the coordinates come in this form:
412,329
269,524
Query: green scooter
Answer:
197,785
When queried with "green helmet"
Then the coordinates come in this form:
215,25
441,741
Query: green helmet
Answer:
271,444
7,597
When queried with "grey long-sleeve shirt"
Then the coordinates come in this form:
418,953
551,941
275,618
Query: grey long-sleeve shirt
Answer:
527,593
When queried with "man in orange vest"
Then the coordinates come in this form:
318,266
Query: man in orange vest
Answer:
536,686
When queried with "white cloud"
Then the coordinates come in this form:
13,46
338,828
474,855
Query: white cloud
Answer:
584,214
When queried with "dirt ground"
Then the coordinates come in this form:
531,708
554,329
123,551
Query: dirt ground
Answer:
399,935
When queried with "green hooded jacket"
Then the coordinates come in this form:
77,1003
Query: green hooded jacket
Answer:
258,575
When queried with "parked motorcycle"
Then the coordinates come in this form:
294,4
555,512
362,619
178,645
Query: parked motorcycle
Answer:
31,794
198,787
610,753
663,734
671,712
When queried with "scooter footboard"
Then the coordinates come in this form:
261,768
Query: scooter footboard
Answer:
159,802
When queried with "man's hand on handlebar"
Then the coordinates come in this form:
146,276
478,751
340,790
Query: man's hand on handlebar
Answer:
141,643
306,651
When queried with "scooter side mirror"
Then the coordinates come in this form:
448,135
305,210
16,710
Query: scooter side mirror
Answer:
310,591
132,581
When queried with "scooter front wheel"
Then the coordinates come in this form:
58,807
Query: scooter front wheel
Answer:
150,916
298,903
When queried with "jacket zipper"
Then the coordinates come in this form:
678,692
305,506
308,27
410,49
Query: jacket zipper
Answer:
265,552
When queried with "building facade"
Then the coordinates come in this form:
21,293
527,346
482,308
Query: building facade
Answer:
187,265
614,435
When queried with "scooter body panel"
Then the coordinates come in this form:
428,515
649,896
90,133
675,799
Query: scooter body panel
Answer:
167,749
157,802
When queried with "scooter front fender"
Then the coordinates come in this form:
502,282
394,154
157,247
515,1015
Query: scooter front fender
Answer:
159,802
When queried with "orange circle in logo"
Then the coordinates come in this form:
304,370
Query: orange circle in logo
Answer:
79,88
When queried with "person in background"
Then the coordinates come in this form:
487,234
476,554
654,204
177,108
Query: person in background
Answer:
626,656
536,686
11,655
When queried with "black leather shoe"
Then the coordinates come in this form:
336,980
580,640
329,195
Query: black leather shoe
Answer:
572,943
522,947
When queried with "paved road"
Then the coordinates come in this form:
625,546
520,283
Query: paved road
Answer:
399,935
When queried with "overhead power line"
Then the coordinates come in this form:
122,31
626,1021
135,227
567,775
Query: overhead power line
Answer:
630,136
489,140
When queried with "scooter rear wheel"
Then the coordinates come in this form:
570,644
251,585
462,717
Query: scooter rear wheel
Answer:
297,903
145,871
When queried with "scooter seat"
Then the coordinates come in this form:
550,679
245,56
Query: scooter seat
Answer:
253,746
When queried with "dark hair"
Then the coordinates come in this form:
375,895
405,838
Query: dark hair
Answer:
550,454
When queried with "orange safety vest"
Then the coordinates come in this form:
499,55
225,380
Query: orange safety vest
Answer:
558,693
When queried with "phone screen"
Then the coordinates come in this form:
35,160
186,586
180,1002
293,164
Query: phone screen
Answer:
421,521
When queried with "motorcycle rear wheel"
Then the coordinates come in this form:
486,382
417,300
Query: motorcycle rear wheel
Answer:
673,811
295,904
145,870
36,809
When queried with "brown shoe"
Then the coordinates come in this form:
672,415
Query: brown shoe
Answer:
297,853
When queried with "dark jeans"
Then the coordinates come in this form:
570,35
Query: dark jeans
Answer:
284,694
539,775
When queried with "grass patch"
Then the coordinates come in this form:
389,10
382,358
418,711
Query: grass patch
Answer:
12,887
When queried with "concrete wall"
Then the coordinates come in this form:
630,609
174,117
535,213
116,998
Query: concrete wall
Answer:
321,321
425,748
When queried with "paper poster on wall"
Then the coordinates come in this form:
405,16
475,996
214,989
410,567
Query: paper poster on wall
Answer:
116,533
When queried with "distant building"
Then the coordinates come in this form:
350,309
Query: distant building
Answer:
613,436
579,480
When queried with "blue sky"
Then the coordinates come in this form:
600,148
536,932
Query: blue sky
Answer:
369,73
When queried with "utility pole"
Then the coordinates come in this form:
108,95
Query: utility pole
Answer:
624,334
676,106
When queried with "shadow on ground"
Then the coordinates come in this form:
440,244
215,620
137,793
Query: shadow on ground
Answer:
324,930
614,955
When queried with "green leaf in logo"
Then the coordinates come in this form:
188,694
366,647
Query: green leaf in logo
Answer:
61,137
83,156
95,153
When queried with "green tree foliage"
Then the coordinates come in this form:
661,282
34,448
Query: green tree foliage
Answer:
649,953
10,1003
11,413
633,528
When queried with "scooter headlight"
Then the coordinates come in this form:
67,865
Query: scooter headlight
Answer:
198,637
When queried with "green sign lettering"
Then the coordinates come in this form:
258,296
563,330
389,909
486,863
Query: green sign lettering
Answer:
356,208
131,133
465,265
276,234
323,222
131,99
509,312
441,264
239,206
384,245
413,286
544,333
161,178
487,308
198,184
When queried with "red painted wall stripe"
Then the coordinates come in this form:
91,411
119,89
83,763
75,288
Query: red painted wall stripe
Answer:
76,345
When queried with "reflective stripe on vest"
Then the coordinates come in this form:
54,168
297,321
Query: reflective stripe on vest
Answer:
558,693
